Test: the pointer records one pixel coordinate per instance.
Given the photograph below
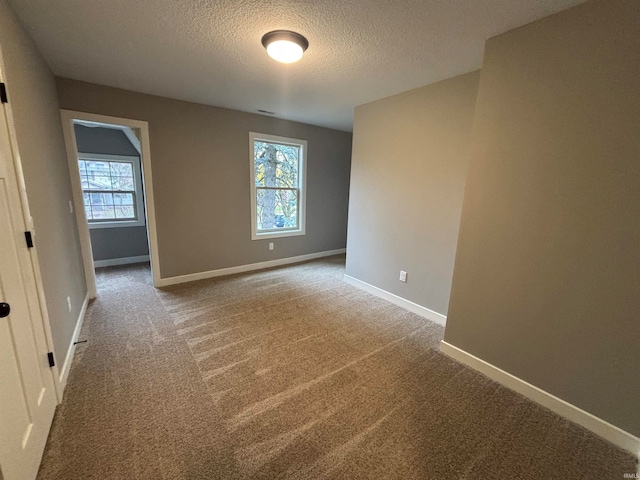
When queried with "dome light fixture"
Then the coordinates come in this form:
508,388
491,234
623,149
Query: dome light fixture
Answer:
285,46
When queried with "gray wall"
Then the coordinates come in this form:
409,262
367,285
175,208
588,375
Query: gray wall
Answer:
200,161
32,95
546,280
407,183
112,243
103,140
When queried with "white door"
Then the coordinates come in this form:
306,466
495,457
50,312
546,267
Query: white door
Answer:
27,396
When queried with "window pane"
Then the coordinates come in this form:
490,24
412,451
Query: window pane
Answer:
123,183
87,209
98,183
121,169
265,163
103,212
123,198
97,169
287,172
125,211
87,200
276,209
276,165
82,167
98,199
259,173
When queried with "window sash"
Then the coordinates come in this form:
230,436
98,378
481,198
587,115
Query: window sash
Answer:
282,229
114,219
297,162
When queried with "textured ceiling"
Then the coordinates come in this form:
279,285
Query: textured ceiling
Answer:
209,51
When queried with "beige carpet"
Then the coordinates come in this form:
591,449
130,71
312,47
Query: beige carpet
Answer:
291,373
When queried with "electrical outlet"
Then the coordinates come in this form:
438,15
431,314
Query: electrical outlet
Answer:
69,303
70,206
270,245
403,276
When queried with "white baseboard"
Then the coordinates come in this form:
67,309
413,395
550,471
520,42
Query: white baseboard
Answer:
66,366
401,302
120,261
609,432
165,282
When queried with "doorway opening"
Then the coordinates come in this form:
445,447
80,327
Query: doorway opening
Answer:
110,168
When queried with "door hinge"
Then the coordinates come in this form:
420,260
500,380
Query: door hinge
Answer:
52,362
3,93
29,238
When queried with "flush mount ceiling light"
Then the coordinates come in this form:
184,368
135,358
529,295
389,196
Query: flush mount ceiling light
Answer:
285,46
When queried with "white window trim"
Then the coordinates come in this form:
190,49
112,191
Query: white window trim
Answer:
135,161
302,178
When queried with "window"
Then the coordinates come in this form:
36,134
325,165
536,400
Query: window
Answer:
111,190
278,180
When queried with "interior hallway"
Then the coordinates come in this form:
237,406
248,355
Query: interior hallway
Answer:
291,373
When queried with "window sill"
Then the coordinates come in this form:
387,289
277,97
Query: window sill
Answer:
277,234
123,224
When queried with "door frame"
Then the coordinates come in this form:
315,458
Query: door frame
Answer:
68,116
